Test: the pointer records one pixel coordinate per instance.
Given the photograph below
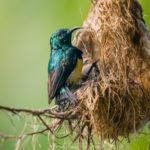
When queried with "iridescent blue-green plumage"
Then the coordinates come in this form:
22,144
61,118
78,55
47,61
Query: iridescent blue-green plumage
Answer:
63,59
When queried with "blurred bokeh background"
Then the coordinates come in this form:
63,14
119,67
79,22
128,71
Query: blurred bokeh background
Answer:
25,29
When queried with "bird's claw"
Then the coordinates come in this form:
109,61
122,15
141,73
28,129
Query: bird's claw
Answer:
66,103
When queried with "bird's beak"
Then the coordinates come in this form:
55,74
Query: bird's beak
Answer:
73,29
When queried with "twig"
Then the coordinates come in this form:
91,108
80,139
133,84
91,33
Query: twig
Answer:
17,137
46,111
79,134
9,136
37,132
31,111
88,137
45,124
18,143
93,143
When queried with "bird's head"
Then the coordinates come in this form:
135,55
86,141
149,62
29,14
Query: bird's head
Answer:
62,37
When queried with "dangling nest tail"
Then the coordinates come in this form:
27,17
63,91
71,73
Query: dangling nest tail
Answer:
117,102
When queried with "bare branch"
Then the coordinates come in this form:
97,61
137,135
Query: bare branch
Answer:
31,111
37,132
8,136
48,112
17,137
45,124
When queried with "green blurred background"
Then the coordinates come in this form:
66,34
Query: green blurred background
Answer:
25,29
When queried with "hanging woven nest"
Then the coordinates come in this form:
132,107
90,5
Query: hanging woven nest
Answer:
117,101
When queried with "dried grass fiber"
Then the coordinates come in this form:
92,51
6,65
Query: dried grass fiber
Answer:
117,103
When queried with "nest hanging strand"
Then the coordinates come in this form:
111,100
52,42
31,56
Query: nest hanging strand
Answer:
118,102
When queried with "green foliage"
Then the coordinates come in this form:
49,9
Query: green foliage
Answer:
25,29
146,12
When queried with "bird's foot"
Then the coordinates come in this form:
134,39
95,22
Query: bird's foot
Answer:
66,103
63,104
70,96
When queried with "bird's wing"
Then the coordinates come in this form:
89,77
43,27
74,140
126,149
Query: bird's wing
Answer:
58,76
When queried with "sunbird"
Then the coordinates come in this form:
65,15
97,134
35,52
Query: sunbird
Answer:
64,67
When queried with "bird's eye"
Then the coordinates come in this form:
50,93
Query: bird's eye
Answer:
59,34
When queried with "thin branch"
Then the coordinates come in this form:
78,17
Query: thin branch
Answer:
18,137
93,143
31,111
9,136
79,134
18,144
37,132
49,112
89,137
45,124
